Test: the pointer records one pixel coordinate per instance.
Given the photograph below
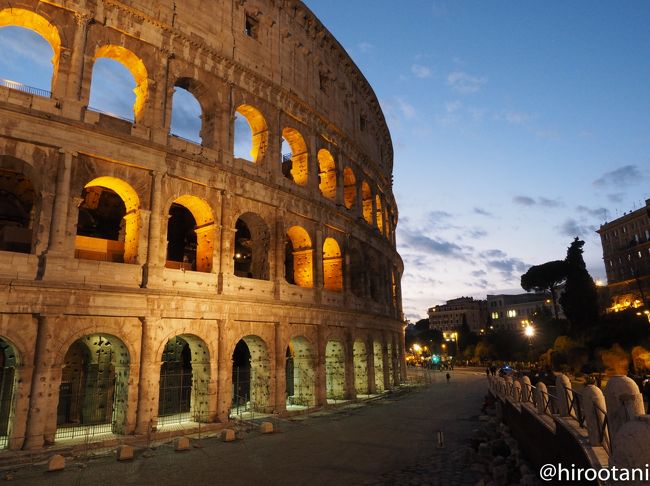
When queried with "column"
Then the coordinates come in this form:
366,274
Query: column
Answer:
370,363
57,240
154,260
318,259
149,388
224,376
278,260
75,75
350,389
386,362
226,267
321,386
280,369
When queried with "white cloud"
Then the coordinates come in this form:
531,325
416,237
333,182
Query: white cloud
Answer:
408,110
463,83
365,47
421,71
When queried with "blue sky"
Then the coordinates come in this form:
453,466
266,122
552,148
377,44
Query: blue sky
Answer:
516,125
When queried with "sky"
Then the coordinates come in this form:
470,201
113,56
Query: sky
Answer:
516,126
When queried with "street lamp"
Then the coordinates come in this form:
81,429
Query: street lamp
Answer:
529,331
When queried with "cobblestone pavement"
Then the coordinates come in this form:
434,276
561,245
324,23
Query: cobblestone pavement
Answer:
390,441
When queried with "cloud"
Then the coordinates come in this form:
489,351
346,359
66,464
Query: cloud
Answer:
623,176
514,117
572,228
616,197
479,273
600,213
408,111
541,201
421,71
483,212
510,268
453,106
492,254
416,241
463,83
477,233
549,203
365,47
524,201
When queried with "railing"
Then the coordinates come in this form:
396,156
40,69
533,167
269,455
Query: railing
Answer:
603,429
574,406
24,88
108,113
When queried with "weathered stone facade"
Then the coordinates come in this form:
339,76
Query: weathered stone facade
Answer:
287,288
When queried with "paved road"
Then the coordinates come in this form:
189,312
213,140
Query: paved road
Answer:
387,441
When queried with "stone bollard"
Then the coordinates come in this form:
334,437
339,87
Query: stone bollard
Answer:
526,389
508,385
632,447
182,444
594,417
56,463
624,402
564,394
542,397
124,453
516,391
266,428
227,435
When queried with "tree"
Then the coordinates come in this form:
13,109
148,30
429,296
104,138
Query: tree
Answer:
546,276
580,299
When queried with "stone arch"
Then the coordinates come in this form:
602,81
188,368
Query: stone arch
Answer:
378,363
9,362
94,388
190,234
136,67
349,188
298,262
379,213
184,380
361,384
327,174
251,247
332,265
18,207
117,241
366,200
295,165
335,370
300,373
251,375
198,93
259,131
18,17
389,361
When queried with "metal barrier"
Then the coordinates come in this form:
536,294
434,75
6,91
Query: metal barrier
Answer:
25,88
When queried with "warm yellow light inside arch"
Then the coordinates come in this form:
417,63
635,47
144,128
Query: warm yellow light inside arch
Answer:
137,69
332,265
18,17
299,156
259,128
303,269
327,173
205,231
380,214
349,188
366,196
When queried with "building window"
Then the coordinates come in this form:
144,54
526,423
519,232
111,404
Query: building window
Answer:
251,27
362,123
495,315
512,313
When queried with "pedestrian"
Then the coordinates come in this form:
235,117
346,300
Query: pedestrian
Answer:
448,377
487,371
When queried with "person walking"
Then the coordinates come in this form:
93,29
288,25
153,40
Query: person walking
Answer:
448,377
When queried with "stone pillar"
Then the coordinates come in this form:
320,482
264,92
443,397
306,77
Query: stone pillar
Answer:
340,185
350,389
370,361
58,237
358,206
277,262
385,358
396,362
154,258
149,388
631,449
542,397
280,369
226,265
224,376
318,259
526,389
321,383
624,403
564,394
594,406
44,393
75,74
402,354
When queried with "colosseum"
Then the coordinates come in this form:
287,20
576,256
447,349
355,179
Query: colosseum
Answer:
152,282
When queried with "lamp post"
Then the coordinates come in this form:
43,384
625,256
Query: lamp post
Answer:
529,331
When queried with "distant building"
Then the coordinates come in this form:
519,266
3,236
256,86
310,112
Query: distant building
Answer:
455,312
512,312
626,254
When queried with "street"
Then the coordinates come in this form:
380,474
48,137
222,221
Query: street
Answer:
383,441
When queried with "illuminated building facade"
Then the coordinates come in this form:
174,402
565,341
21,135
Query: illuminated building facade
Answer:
626,255
452,315
146,279
513,312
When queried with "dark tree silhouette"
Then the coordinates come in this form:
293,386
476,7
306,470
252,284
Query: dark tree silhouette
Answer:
580,299
546,276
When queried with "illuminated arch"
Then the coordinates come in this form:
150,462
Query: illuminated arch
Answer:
300,373
327,174
298,169
259,130
366,198
332,265
131,221
251,375
299,258
252,242
379,214
349,188
18,17
137,69
18,208
204,230
335,370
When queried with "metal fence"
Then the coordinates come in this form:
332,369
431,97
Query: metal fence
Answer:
24,88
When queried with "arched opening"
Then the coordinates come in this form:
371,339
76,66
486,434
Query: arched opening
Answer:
327,174
360,368
380,214
17,197
108,226
251,248
298,262
251,376
93,395
120,83
184,379
190,235
332,265
379,366
187,115
349,188
294,157
366,199
20,27
390,363
335,370
357,273
300,375
251,134
8,365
